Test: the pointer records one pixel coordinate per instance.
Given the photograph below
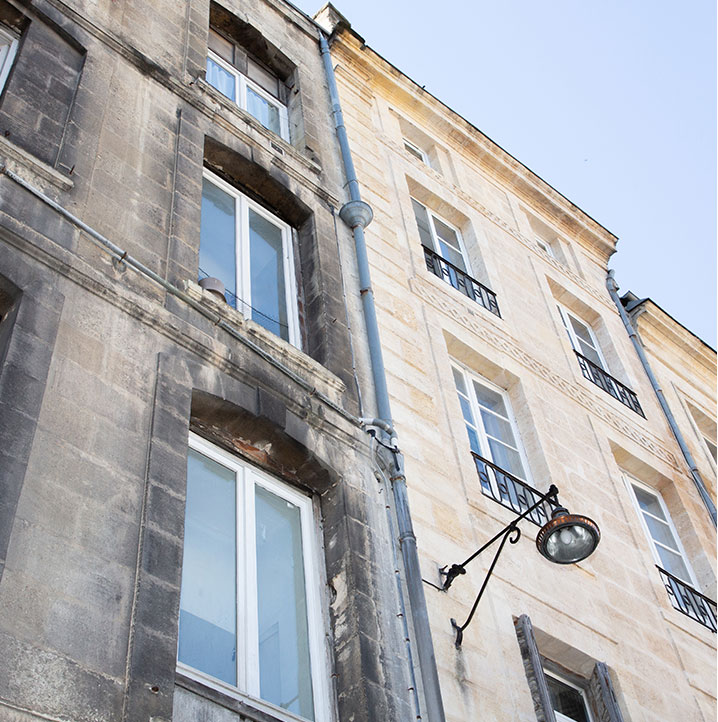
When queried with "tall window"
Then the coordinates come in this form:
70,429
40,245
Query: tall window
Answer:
658,526
250,84
489,423
440,237
250,617
250,251
8,47
583,340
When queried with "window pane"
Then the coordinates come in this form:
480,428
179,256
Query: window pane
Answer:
448,243
649,502
673,562
563,319
581,331
221,46
265,112
567,700
262,77
590,353
451,255
208,605
269,300
459,381
466,410
506,458
448,235
661,532
221,79
284,663
217,236
422,221
413,150
497,427
4,50
490,399
473,440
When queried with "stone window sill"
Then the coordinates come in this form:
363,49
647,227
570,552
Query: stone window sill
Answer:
246,707
25,164
292,357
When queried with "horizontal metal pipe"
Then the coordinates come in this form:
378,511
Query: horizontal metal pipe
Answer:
122,256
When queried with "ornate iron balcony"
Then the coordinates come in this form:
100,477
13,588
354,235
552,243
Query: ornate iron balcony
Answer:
461,281
598,376
507,490
690,602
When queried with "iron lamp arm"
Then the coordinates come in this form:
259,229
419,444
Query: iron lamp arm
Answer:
456,569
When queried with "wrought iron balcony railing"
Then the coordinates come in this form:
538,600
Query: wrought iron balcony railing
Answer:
461,281
510,491
598,376
690,602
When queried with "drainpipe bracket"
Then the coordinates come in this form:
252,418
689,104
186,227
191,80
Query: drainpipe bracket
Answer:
356,213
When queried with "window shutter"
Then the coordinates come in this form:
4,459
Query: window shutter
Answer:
534,671
602,695
422,221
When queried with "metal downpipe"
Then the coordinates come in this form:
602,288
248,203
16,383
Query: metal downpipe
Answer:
357,214
612,287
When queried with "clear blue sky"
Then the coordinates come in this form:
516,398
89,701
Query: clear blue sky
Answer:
613,103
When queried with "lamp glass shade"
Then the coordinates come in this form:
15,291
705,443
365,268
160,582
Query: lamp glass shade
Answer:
567,538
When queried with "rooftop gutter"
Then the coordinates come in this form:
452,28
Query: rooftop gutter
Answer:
695,474
357,215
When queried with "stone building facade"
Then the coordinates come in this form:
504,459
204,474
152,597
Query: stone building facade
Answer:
194,522
145,146
509,368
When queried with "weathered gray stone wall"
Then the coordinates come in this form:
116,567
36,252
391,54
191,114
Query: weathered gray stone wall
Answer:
104,372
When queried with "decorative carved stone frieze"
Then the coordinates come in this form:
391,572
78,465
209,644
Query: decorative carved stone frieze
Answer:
507,345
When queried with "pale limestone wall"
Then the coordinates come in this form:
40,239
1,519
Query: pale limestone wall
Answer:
690,388
612,607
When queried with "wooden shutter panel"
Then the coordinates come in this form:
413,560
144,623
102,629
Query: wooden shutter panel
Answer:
534,671
602,695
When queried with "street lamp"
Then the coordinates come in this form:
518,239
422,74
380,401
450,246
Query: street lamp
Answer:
564,539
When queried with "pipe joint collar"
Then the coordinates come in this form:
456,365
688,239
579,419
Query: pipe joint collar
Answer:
356,213
611,282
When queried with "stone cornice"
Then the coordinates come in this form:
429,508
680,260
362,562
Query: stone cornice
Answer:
469,141
504,343
657,328
600,294
198,94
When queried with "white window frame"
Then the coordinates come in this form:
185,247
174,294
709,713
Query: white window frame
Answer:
8,50
414,150
566,315
247,689
478,424
430,214
630,481
584,697
545,246
242,255
241,83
